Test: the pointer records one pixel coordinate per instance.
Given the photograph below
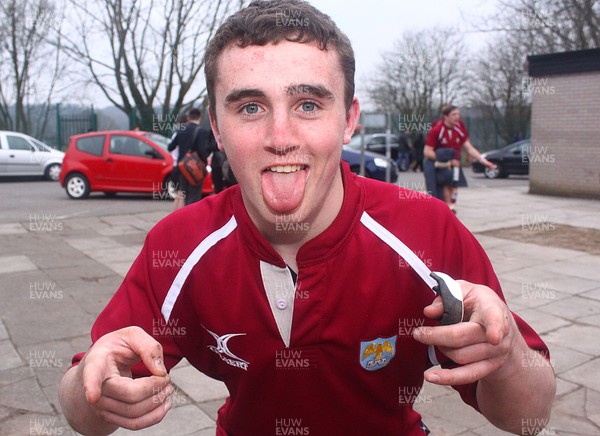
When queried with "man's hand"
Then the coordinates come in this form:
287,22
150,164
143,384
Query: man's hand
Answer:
480,345
516,384
104,377
486,163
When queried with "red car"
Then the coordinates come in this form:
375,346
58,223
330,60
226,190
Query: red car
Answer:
118,161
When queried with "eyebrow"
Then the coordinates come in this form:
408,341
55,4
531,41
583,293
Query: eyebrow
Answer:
291,90
240,94
316,90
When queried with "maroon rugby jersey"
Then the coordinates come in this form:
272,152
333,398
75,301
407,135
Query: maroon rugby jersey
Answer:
210,288
441,136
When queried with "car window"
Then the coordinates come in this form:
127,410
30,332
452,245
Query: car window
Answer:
91,145
18,143
355,142
129,146
377,140
40,146
158,139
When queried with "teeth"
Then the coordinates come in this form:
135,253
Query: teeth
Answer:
286,168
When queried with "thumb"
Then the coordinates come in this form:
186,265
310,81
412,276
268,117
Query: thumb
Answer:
148,349
115,351
435,309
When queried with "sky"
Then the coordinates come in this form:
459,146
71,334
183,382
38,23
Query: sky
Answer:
374,25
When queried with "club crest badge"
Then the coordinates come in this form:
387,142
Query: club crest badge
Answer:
378,353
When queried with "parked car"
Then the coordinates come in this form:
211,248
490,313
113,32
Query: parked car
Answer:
511,159
375,142
375,164
22,155
117,161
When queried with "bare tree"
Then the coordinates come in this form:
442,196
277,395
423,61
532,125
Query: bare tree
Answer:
549,25
145,57
29,66
500,87
423,71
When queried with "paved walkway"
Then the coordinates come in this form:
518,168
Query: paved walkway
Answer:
56,275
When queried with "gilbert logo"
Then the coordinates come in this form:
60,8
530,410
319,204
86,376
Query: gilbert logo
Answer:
222,349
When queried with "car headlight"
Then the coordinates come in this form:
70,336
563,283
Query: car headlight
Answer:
382,163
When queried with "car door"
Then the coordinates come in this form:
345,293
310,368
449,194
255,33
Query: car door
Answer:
516,160
19,156
135,164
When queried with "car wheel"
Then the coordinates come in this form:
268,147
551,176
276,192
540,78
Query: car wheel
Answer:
495,173
77,186
52,171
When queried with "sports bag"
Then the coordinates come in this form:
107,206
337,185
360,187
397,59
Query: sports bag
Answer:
191,166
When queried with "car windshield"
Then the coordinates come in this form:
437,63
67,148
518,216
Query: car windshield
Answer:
158,139
355,142
41,146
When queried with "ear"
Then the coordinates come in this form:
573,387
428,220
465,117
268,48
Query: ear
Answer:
215,128
352,118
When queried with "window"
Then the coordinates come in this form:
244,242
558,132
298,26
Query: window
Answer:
18,143
129,146
91,144
40,146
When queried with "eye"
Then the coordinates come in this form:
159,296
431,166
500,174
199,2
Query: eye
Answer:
250,109
308,106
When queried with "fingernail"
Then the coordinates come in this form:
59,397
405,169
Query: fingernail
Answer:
160,364
433,378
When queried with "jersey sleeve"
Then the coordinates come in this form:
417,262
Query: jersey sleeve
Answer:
468,261
137,303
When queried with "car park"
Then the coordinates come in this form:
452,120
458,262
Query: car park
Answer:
375,143
116,161
375,165
22,155
511,159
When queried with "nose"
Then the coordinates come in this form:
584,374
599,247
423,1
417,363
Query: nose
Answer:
282,133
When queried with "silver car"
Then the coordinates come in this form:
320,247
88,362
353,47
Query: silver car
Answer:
22,155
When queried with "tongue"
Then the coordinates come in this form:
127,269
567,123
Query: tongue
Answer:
283,192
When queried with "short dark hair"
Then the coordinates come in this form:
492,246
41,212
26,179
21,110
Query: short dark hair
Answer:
262,22
195,113
447,108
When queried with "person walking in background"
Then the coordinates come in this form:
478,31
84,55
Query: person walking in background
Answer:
447,137
191,138
404,150
178,201
418,147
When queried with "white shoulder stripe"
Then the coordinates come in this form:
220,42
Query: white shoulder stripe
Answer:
399,247
190,262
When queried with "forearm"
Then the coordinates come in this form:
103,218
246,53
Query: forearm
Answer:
518,396
428,152
76,408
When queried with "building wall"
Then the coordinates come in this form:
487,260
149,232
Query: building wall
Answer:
565,135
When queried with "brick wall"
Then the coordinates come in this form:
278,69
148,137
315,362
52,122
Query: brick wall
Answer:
565,135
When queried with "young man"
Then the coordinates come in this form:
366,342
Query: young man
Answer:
448,132
291,291
191,138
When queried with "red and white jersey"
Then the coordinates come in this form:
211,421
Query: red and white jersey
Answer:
441,136
332,353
